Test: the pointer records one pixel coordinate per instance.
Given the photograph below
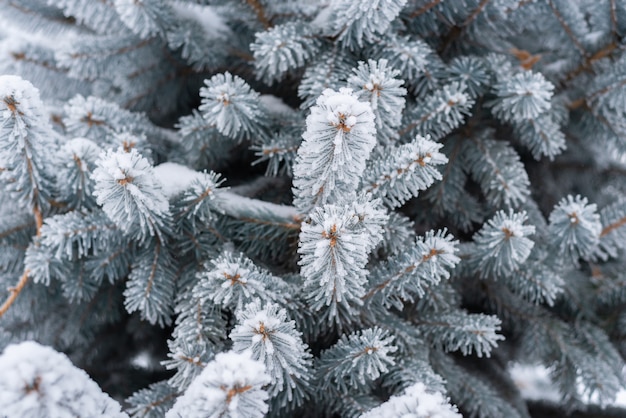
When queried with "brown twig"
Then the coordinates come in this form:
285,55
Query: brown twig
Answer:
260,13
567,29
38,219
475,13
424,9
14,292
611,227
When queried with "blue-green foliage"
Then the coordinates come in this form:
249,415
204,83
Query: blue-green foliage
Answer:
229,104
317,208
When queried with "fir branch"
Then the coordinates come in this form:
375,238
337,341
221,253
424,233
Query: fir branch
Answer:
44,63
566,28
242,207
27,130
613,226
8,232
594,95
587,64
474,14
119,51
260,13
425,8
146,410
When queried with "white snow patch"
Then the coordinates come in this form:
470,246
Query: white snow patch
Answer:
274,105
620,399
234,205
37,381
174,178
534,382
24,94
212,23
142,361
217,390
416,402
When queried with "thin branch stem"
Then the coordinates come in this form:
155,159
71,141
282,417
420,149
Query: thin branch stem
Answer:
424,9
611,227
567,29
14,292
260,12
38,219
475,13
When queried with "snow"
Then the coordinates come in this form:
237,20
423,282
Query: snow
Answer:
230,383
37,381
24,94
275,106
176,178
415,402
239,205
82,148
343,109
143,360
620,400
40,35
212,23
339,138
439,249
258,326
534,383
132,172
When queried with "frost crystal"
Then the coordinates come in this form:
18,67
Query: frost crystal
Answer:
282,48
16,91
575,227
79,156
438,253
375,82
129,193
232,280
339,138
405,171
357,359
502,245
274,340
357,21
334,251
231,105
524,96
26,141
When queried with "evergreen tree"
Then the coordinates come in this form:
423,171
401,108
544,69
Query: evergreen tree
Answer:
228,208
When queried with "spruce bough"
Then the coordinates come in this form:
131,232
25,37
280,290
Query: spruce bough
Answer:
310,208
